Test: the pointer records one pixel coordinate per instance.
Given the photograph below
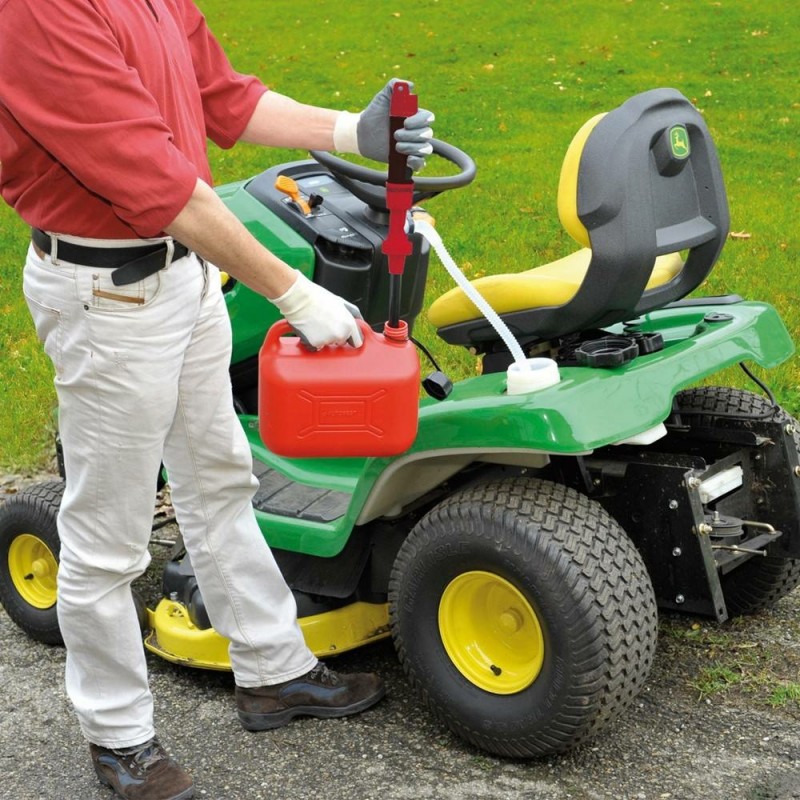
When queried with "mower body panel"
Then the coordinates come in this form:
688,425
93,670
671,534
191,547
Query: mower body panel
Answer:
251,314
588,409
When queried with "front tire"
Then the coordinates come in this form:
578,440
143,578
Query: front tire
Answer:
523,616
29,553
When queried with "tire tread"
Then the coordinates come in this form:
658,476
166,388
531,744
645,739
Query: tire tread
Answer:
602,563
34,510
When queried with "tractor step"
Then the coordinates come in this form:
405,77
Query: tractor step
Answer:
284,497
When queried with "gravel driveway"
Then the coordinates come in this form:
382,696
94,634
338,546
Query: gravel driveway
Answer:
673,744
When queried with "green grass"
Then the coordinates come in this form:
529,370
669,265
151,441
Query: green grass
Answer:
786,693
510,83
741,658
753,677
716,679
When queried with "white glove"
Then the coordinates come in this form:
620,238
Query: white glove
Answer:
319,316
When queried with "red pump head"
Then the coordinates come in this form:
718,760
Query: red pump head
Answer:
399,199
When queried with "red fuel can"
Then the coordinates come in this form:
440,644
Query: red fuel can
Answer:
337,401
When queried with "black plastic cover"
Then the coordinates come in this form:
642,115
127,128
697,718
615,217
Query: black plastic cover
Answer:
638,200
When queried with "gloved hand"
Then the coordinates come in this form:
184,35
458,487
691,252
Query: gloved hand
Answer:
319,316
367,133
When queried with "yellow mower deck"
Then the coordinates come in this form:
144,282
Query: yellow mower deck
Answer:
175,638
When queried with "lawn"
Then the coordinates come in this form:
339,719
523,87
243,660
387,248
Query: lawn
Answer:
510,83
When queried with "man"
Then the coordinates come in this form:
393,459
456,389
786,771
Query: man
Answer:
105,106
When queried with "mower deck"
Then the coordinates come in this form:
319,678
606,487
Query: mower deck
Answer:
175,638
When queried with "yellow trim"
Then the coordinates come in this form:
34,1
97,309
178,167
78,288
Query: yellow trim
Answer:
33,567
551,284
568,183
176,639
491,633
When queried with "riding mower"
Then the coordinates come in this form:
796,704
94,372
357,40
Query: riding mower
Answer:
517,552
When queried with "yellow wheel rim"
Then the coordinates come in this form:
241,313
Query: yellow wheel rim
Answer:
33,569
491,633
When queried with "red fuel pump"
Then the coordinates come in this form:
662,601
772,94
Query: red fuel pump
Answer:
348,401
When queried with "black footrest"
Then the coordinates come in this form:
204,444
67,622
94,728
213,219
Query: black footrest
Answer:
284,497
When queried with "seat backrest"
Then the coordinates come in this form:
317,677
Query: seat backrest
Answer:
638,182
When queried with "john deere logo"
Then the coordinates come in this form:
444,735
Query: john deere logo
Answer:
679,141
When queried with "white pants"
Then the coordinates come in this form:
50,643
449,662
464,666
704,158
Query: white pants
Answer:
138,382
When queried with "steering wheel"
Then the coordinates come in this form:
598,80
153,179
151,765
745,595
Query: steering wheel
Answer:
369,185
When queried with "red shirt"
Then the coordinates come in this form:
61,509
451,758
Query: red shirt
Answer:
105,106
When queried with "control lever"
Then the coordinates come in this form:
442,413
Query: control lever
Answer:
289,187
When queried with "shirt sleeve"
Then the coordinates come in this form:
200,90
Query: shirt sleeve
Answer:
229,98
66,83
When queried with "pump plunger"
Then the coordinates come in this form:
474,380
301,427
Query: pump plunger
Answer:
399,198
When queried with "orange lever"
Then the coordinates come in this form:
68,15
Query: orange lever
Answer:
289,186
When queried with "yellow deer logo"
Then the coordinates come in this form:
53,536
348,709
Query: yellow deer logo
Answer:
679,141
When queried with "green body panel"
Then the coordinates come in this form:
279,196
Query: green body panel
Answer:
251,314
588,409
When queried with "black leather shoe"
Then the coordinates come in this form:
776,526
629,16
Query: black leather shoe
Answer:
319,693
141,773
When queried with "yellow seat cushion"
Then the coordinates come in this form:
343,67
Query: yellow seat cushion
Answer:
551,284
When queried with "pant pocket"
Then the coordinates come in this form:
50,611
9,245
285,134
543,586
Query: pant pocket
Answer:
47,322
98,292
212,281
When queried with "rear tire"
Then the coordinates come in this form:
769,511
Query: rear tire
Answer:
29,553
760,582
523,616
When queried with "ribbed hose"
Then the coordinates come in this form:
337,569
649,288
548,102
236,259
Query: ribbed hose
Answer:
426,229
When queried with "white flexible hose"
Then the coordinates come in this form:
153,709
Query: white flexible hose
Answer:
429,232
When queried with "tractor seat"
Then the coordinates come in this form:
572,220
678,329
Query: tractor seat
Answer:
551,284
640,189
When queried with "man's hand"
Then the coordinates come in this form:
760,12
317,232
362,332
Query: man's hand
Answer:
367,133
319,316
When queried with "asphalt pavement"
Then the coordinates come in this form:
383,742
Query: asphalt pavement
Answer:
671,745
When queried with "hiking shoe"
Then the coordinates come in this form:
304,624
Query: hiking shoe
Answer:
319,693
145,772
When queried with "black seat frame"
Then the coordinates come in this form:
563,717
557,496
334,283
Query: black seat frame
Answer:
637,200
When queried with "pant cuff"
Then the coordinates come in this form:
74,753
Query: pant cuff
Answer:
282,678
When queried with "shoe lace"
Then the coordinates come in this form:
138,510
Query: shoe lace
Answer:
145,755
324,675
148,756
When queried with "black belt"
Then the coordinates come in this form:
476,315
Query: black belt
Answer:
130,264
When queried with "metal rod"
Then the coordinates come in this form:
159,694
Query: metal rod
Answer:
736,549
763,525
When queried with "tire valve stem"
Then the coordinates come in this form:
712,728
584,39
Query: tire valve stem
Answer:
496,670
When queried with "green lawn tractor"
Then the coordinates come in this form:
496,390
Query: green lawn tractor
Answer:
518,551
